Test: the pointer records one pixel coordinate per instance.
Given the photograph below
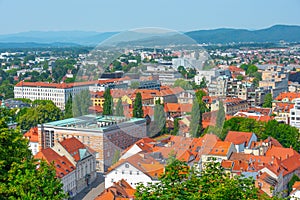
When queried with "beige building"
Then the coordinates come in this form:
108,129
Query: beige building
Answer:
107,135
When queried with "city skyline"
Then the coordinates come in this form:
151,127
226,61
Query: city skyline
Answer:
120,15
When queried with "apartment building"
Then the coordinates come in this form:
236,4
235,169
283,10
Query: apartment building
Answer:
56,92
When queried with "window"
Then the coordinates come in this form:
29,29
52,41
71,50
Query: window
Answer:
112,180
130,172
137,172
126,165
122,172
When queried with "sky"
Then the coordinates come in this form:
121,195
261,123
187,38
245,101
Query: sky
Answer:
119,15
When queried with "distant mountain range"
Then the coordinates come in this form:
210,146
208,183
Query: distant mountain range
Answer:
273,34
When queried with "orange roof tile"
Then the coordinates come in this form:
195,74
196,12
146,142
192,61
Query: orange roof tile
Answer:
62,165
32,134
73,145
177,107
221,148
280,152
289,95
237,137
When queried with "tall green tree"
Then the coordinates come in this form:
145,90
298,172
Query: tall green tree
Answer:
81,103
108,103
138,106
22,177
179,181
196,119
158,125
69,108
119,108
268,101
175,130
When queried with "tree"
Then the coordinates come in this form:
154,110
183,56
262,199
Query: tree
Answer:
196,119
108,103
138,107
135,85
182,182
41,113
268,101
175,130
291,182
203,83
158,125
119,108
116,157
69,108
220,117
19,176
186,85
284,133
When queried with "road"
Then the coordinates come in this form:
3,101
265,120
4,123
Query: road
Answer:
89,193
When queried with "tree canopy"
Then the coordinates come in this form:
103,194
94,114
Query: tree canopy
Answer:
268,101
138,106
42,112
284,133
182,182
22,177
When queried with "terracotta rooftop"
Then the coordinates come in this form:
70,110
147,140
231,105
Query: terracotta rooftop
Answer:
62,165
120,191
177,107
76,148
237,137
287,95
281,152
32,134
221,148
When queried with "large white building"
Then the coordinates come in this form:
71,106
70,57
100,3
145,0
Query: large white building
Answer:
295,114
56,92
138,168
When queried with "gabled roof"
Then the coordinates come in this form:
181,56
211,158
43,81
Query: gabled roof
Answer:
143,162
75,148
119,190
177,107
32,134
62,165
281,152
237,137
221,148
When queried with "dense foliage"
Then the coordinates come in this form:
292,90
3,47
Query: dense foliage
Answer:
22,177
182,182
284,133
43,111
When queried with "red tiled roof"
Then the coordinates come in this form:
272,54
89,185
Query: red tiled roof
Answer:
280,152
177,107
54,85
62,165
237,137
72,145
289,95
32,134
221,148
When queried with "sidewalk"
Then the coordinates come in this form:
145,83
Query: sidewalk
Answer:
89,193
